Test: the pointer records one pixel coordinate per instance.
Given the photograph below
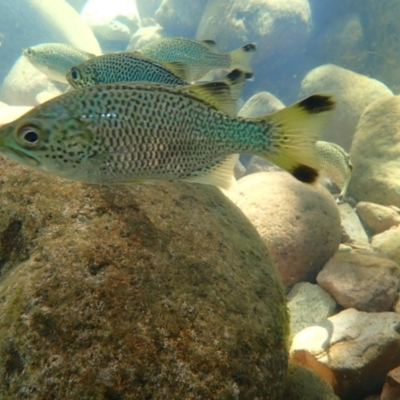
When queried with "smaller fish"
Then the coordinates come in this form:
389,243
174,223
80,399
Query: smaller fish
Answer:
335,165
200,56
125,67
55,59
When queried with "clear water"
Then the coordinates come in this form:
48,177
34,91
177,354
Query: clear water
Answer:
292,39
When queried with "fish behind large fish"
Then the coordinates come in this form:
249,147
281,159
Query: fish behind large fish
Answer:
335,165
200,56
125,67
55,59
146,132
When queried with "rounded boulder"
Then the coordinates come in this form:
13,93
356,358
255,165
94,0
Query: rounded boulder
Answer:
375,154
299,223
159,291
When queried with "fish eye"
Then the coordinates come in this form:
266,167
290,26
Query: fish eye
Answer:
29,51
29,135
74,74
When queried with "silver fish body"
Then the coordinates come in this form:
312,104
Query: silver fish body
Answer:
335,165
55,59
201,56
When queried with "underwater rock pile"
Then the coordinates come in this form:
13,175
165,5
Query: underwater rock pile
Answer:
174,290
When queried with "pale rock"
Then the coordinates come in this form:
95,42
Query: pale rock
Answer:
23,83
262,103
377,218
352,92
299,223
388,243
144,36
116,20
64,19
344,248
352,350
308,304
277,26
303,383
11,113
361,280
180,17
258,164
27,23
353,232
45,96
375,154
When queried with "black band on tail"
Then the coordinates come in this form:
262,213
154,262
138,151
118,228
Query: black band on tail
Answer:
305,174
317,103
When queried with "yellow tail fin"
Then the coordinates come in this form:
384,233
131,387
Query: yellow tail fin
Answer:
241,59
294,132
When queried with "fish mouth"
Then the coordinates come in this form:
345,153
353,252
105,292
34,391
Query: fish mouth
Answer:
18,155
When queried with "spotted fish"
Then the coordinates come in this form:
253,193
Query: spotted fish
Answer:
125,67
55,59
200,56
146,132
335,165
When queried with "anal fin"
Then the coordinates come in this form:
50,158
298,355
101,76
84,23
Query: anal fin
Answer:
220,175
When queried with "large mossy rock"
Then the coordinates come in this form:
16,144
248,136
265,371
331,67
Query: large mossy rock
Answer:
162,291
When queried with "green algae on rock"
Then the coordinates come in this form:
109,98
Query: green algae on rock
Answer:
159,291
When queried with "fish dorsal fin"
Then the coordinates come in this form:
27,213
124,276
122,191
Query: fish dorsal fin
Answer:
210,44
220,175
222,95
180,69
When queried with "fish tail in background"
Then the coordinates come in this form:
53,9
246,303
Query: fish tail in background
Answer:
223,94
241,59
298,127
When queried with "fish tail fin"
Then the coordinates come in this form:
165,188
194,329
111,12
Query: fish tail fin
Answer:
294,132
241,59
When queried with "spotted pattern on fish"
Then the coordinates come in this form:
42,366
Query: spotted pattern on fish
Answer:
140,132
335,164
120,67
200,56
55,59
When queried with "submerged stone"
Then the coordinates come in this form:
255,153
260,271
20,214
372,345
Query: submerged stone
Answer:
375,154
299,223
158,291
